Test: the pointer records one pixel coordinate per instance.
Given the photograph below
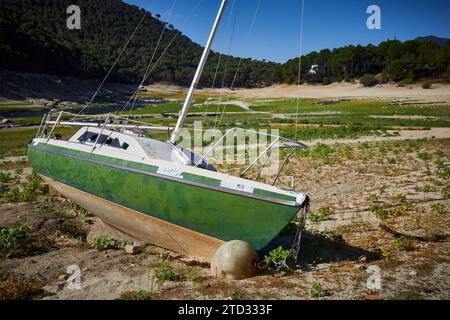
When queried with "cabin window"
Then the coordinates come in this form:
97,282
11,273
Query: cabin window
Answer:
88,136
114,143
104,139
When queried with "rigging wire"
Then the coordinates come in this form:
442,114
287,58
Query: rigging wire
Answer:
112,67
227,61
138,90
115,62
171,42
220,57
250,31
299,66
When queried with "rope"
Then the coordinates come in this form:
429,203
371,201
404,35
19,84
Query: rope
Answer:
290,261
299,66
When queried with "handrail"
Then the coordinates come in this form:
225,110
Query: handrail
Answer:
293,145
297,143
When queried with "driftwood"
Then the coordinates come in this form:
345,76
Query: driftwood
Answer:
434,238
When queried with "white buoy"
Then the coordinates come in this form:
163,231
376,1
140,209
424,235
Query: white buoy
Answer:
235,260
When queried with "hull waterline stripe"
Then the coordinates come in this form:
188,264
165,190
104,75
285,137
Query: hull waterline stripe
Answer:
174,179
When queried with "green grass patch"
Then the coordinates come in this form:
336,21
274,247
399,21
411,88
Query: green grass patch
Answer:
14,142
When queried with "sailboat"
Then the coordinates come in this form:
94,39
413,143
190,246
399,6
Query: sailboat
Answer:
158,191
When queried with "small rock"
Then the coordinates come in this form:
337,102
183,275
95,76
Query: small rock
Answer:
413,273
62,277
132,249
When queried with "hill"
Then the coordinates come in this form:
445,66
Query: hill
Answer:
440,41
395,60
34,38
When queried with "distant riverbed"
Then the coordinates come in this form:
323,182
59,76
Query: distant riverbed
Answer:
93,110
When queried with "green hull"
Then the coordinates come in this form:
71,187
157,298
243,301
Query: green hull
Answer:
193,202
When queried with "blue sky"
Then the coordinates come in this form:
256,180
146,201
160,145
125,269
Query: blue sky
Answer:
327,23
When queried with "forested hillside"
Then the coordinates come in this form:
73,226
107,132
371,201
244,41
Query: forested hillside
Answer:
34,38
395,60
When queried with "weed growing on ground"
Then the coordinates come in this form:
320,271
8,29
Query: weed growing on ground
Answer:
424,156
164,272
403,243
374,198
193,274
443,173
322,214
13,239
446,192
103,242
277,255
316,290
32,188
438,208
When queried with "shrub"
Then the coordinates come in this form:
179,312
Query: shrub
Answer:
368,80
13,239
427,85
406,82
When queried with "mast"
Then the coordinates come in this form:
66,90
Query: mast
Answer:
177,131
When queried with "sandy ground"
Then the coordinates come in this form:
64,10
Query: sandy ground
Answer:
433,133
440,93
